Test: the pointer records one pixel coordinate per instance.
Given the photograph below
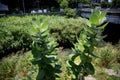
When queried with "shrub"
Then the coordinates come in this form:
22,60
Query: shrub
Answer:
104,4
116,3
70,12
15,31
66,30
17,66
107,54
14,35
63,3
85,1
80,61
44,53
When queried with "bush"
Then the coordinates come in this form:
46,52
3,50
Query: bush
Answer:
14,35
17,66
85,1
15,31
116,3
63,3
104,4
70,12
107,54
66,30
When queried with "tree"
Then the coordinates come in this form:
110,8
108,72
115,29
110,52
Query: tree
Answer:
115,3
63,3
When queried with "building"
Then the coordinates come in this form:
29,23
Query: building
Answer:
3,7
98,1
95,1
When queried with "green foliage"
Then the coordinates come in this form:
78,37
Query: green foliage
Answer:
85,1
15,31
14,35
116,3
70,12
62,29
65,30
83,51
93,5
104,4
64,3
107,54
44,53
17,66
97,17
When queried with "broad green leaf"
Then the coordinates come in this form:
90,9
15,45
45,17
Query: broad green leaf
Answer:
84,58
93,54
44,34
43,27
83,36
86,43
70,56
102,17
57,69
81,47
90,31
94,17
103,13
101,20
68,64
103,26
40,75
89,68
36,54
86,21
74,77
96,11
34,31
97,17
77,60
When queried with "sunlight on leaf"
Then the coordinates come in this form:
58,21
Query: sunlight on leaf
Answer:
77,60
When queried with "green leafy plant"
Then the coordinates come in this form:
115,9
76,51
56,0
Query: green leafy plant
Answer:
116,3
107,54
80,61
104,4
18,67
15,31
70,12
14,35
44,53
63,3
85,1
64,30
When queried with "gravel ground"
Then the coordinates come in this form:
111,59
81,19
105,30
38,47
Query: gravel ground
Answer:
89,78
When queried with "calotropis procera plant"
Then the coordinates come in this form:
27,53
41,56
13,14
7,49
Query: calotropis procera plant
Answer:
44,53
80,61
